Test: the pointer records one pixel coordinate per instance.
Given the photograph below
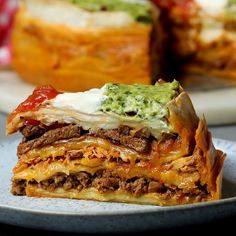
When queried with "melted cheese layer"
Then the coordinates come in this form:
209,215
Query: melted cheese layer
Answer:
100,154
46,170
110,196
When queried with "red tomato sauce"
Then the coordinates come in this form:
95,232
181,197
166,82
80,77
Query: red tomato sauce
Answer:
33,102
31,122
172,3
182,7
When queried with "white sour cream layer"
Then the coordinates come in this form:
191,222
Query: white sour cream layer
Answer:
88,102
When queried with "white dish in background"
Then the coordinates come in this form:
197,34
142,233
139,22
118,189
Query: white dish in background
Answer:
99,217
218,106
13,91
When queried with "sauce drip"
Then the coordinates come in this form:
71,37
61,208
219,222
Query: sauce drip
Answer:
33,102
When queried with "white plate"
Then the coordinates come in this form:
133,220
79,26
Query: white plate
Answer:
90,216
218,106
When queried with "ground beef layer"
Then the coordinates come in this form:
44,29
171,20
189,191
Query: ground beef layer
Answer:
104,180
39,136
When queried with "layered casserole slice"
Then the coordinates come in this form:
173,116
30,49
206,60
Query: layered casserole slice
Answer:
201,41
86,42
126,143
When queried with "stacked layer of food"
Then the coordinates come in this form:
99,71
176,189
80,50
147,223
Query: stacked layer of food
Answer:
201,40
75,45
126,143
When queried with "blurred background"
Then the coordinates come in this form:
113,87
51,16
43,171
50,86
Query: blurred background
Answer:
7,11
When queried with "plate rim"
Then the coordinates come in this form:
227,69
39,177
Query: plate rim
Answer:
159,209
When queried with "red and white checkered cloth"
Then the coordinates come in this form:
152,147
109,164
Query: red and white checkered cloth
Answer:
7,11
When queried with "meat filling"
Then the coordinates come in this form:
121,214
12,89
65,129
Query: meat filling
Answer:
39,136
49,137
104,180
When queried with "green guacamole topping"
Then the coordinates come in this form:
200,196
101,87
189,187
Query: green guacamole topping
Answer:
231,2
140,12
231,9
138,101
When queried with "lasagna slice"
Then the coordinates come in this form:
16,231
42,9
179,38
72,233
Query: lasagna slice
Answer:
201,41
86,42
125,143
